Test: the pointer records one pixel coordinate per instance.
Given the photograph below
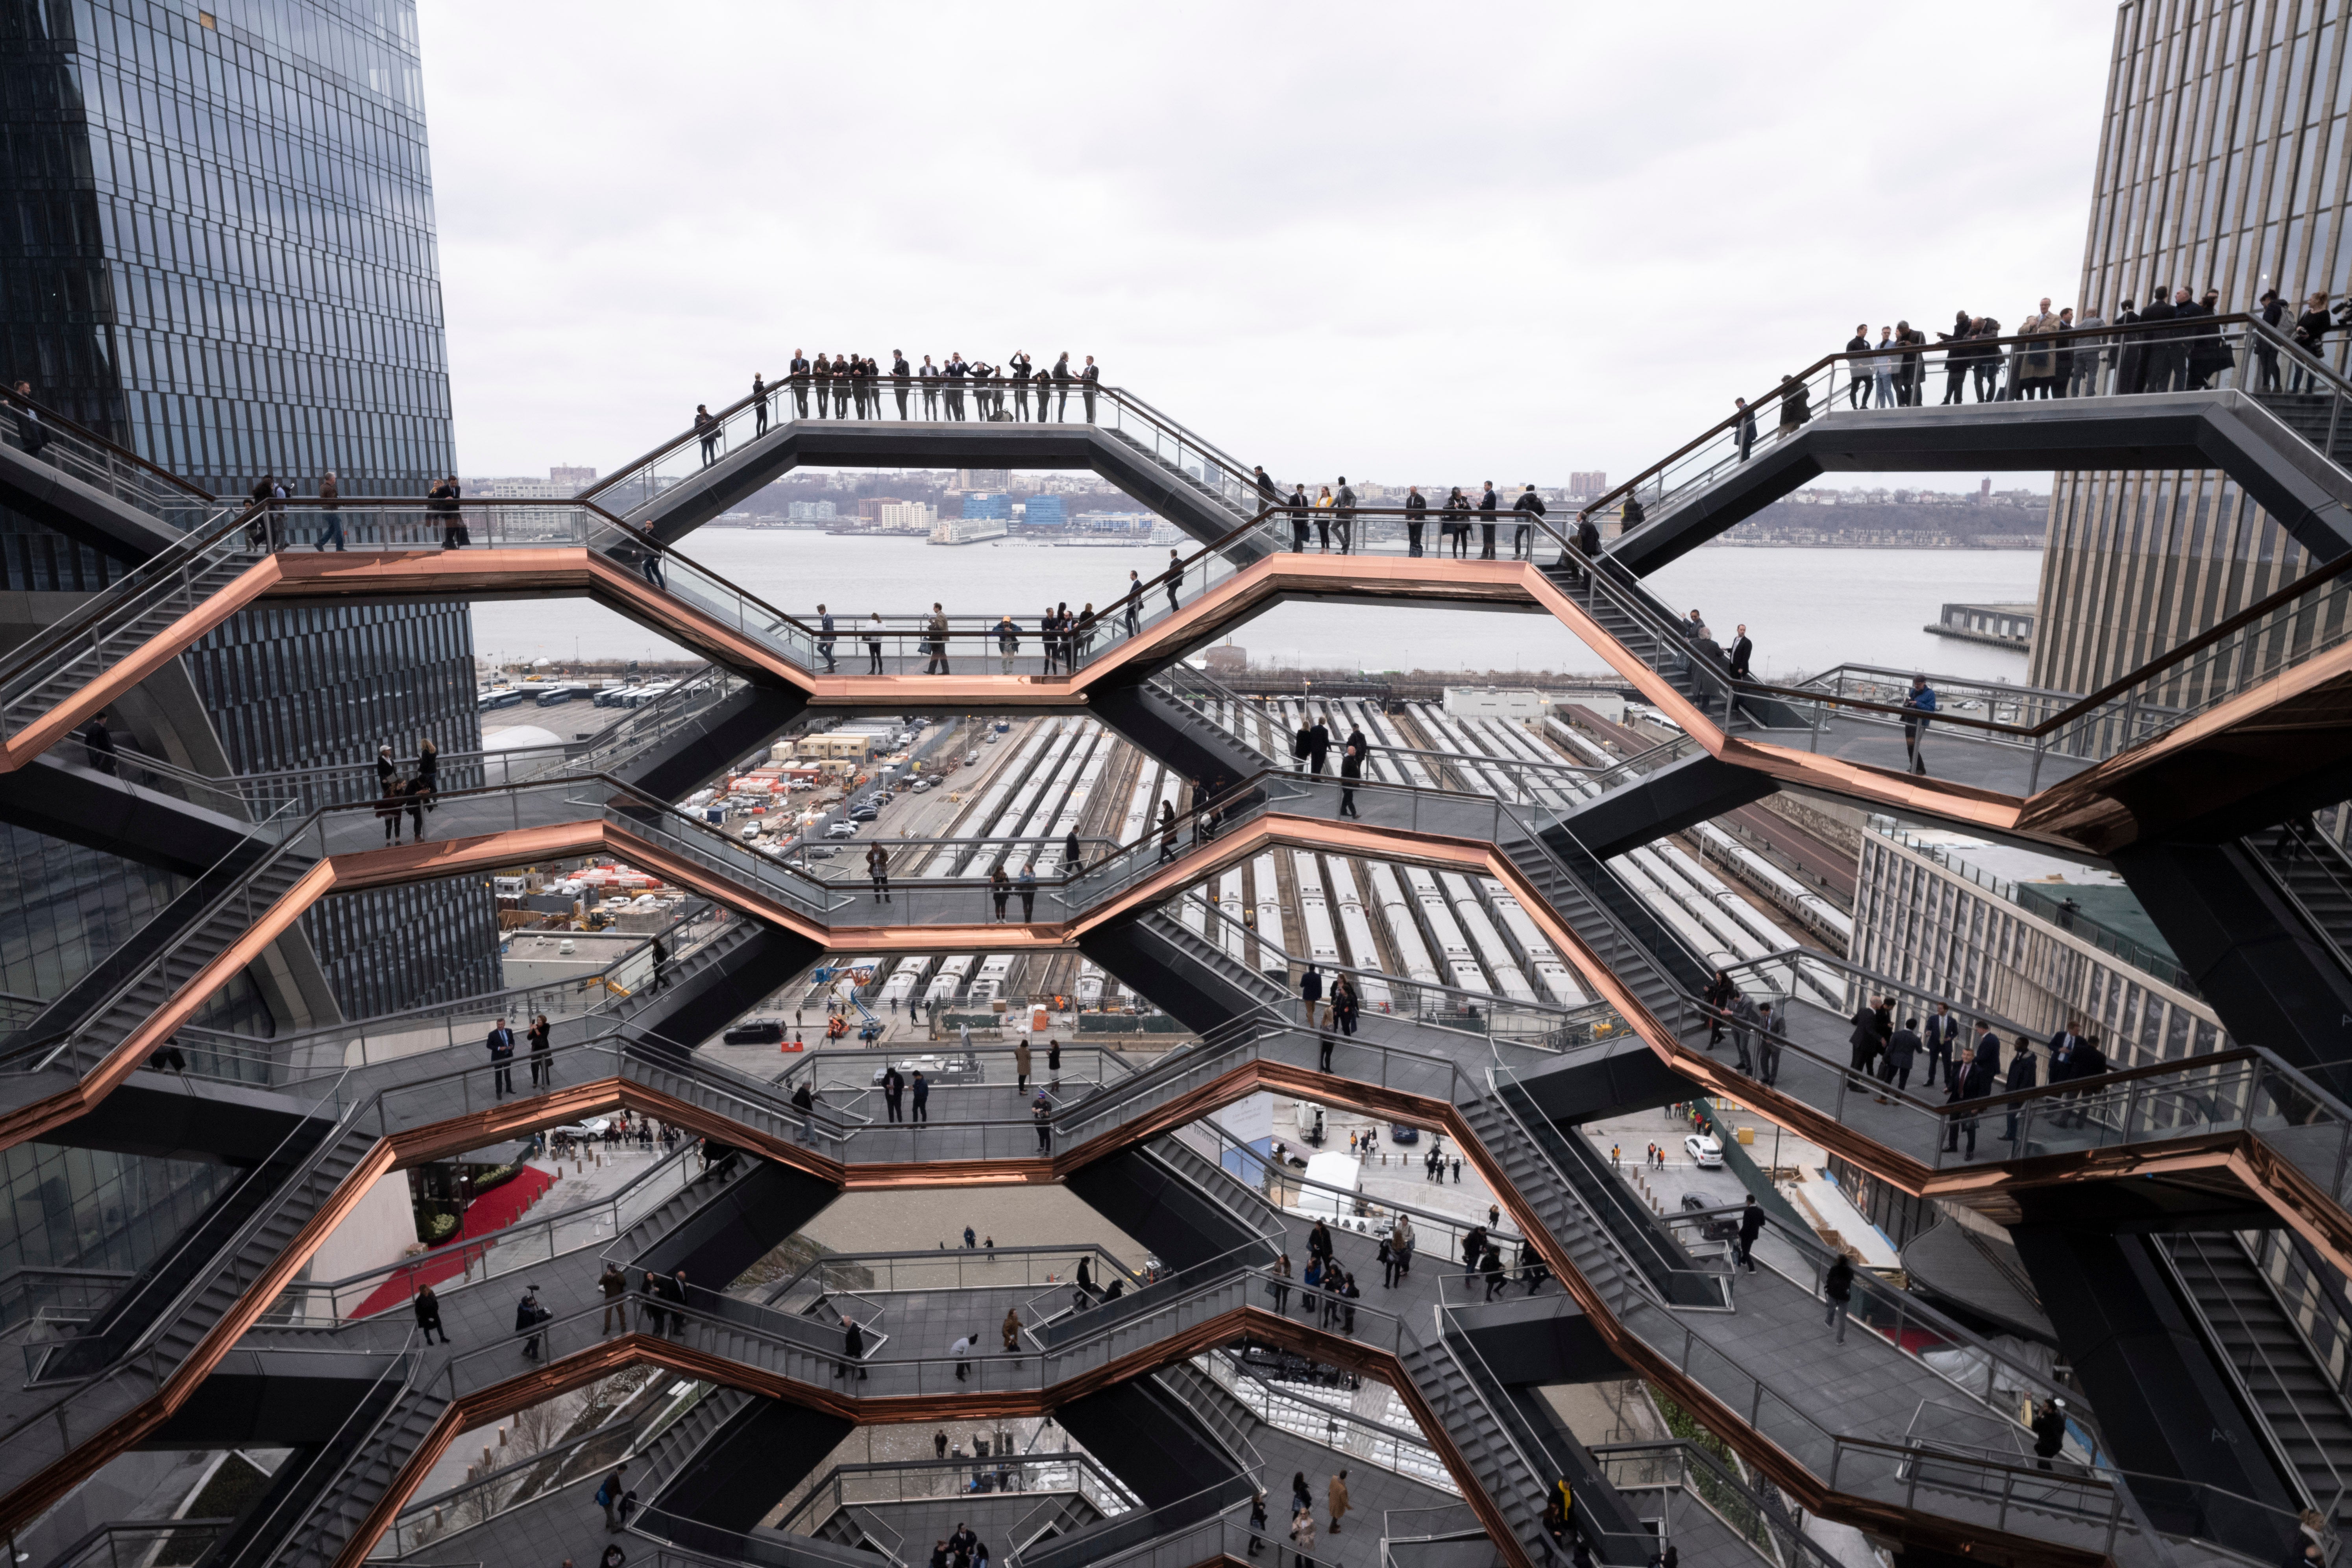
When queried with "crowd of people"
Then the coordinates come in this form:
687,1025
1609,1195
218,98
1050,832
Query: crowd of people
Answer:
1959,1061
851,387
1330,517
2163,345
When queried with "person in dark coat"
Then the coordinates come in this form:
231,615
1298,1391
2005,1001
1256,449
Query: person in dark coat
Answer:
1863,1038
1416,518
2132,355
528,1315
894,1093
1311,992
2022,1070
1973,1081
1901,1048
1352,768
853,1347
2050,1435
2208,355
98,745
1587,543
1530,505
1943,1034
501,1046
428,1315
1719,996
1751,1225
2159,354
1318,746
1741,653
1769,1037
1989,1050
1837,1286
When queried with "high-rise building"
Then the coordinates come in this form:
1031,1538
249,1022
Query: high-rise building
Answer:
1585,486
222,254
1041,512
572,479
980,478
2221,163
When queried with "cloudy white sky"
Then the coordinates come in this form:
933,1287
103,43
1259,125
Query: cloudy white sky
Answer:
1411,242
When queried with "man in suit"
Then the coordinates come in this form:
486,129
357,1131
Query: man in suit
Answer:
1134,601
1943,1044
2020,1079
1344,514
902,378
1902,1047
1769,1039
1861,1038
800,378
1988,1049
1089,379
894,1090
1742,650
1318,746
1744,1021
1973,1081
824,638
501,1047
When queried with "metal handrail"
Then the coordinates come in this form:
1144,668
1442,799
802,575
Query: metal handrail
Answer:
2109,336
50,416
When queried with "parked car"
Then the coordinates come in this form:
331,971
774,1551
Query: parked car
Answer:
1704,1152
1403,1134
1720,1227
756,1032
842,830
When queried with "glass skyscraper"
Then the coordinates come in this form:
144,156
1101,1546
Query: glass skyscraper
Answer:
217,247
2222,162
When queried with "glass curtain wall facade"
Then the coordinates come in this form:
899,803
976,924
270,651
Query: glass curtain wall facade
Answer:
218,245
2222,162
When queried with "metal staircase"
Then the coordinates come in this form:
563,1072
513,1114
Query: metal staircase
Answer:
195,1284
1508,1477
171,950
320,1494
2279,1373
59,661
2314,870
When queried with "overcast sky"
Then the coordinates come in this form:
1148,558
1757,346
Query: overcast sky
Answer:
1407,243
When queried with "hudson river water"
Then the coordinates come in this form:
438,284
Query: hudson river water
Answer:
1807,609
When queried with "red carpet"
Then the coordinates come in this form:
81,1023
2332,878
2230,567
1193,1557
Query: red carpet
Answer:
492,1212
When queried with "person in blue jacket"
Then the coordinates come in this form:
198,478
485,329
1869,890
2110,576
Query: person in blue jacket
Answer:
1917,705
